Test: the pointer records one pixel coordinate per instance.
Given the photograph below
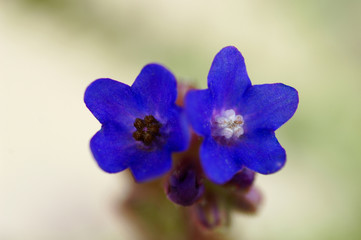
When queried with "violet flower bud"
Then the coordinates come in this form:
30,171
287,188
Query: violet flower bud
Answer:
208,213
247,202
243,180
184,187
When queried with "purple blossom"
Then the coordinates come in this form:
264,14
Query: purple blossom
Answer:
238,120
141,125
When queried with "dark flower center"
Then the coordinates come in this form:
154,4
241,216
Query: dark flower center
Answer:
147,129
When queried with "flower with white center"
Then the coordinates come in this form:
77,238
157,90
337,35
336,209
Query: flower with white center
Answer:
230,144
228,125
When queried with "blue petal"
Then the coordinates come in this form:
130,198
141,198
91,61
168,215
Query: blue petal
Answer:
157,88
261,152
228,78
146,165
199,107
268,106
177,130
112,148
220,163
112,101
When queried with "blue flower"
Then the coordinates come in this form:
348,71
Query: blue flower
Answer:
141,125
238,120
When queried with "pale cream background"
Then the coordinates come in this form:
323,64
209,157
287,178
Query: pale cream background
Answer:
51,188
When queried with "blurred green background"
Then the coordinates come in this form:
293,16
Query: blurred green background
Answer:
50,50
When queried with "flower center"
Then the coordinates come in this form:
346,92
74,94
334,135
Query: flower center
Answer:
147,129
227,125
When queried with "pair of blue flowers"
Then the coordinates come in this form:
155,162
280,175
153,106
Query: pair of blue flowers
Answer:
142,125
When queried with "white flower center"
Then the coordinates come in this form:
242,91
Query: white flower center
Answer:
228,125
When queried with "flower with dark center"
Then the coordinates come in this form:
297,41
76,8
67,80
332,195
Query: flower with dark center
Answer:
238,120
146,130
141,125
